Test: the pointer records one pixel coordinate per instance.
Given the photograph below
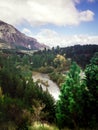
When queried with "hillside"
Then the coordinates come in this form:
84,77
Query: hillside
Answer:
80,53
11,38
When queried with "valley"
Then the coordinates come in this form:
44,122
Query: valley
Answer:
37,86
51,86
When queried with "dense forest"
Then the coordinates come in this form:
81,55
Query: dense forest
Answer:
81,54
23,101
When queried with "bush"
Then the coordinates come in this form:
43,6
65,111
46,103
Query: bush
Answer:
57,77
47,69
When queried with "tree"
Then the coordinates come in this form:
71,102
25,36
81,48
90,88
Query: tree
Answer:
60,61
69,108
1,93
91,103
38,113
92,76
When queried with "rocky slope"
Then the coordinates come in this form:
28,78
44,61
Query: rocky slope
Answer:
11,38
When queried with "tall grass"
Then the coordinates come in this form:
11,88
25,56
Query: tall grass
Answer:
39,126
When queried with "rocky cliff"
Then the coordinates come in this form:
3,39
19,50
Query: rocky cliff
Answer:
11,38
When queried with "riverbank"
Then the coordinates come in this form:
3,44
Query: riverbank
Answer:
50,85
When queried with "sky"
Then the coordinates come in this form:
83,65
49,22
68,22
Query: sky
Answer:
54,22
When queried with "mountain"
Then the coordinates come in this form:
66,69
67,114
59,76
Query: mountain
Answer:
11,38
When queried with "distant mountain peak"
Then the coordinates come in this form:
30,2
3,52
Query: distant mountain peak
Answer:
10,37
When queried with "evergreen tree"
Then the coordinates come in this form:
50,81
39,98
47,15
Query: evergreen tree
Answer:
69,105
91,102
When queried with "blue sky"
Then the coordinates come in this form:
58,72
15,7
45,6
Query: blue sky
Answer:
54,22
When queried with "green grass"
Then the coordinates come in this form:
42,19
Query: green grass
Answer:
39,126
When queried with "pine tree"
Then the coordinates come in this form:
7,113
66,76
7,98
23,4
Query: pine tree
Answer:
91,103
69,108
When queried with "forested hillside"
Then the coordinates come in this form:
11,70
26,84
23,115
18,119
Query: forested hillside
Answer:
23,102
80,54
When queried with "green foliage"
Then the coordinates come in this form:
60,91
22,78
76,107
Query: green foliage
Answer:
42,126
59,61
12,110
91,96
21,97
46,69
78,102
69,109
18,92
80,53
44,58
57,77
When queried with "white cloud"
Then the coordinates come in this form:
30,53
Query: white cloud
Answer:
27,32
52,38
41,12
86,15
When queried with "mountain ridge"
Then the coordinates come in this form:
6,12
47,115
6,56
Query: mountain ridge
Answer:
11,38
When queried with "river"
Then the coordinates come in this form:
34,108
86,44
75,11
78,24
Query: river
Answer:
52,87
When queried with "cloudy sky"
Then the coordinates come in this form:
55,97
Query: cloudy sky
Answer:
54,22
